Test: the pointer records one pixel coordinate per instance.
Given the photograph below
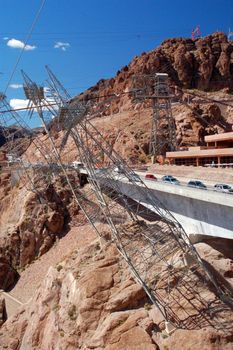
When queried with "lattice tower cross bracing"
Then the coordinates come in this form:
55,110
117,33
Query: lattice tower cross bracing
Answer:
163,133
163,128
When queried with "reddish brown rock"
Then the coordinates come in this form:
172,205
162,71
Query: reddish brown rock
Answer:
3,314
28,226
55,222
93,303
8,275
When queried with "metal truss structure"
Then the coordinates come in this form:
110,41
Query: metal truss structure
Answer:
9,124
42,167
163,129
152,242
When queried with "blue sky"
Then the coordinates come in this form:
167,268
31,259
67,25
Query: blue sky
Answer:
84,41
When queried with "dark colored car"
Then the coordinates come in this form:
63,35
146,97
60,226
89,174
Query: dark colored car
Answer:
165,177
170,179
150,177
197,184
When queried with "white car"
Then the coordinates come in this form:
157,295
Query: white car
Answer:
223,188
77,165
118,170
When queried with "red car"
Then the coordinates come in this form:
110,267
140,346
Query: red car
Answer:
150,177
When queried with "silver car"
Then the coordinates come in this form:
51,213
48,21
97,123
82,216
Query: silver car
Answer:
223,188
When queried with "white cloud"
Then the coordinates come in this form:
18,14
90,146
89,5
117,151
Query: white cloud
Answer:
46,90
17,103
17,44
61,45
5,38
16,86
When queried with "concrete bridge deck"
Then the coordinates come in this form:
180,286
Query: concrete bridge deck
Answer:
200,212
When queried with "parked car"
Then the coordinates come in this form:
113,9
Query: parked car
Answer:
167,177
150,177
77,165
170,179
223,188
197,184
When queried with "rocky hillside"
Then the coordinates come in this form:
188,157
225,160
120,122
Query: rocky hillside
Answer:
203,64
31,221
14,140
90,301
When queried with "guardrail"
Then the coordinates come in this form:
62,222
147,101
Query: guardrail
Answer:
219,165
144,168
184,184
181,183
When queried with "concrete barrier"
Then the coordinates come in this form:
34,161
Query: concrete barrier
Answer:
200,212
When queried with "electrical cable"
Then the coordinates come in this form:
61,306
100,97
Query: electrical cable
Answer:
25,43
128,93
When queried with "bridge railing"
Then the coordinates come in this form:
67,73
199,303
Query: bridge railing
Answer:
220,165
185,184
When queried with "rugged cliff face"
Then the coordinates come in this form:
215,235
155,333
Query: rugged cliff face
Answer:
204,64
90,301
15,136
30,221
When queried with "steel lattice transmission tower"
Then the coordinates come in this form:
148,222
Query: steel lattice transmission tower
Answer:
10,123
152,242
163,134
21,167
163,128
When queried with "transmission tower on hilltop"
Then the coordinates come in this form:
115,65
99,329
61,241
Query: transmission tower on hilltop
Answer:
196,33
163,128
163,134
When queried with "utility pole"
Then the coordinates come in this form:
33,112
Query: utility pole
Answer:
196,33
163,128
163,132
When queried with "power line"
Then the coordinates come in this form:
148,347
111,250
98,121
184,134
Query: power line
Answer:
117,95
206,98
25,43
55,104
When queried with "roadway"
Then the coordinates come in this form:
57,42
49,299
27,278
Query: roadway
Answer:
200,212
184,180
